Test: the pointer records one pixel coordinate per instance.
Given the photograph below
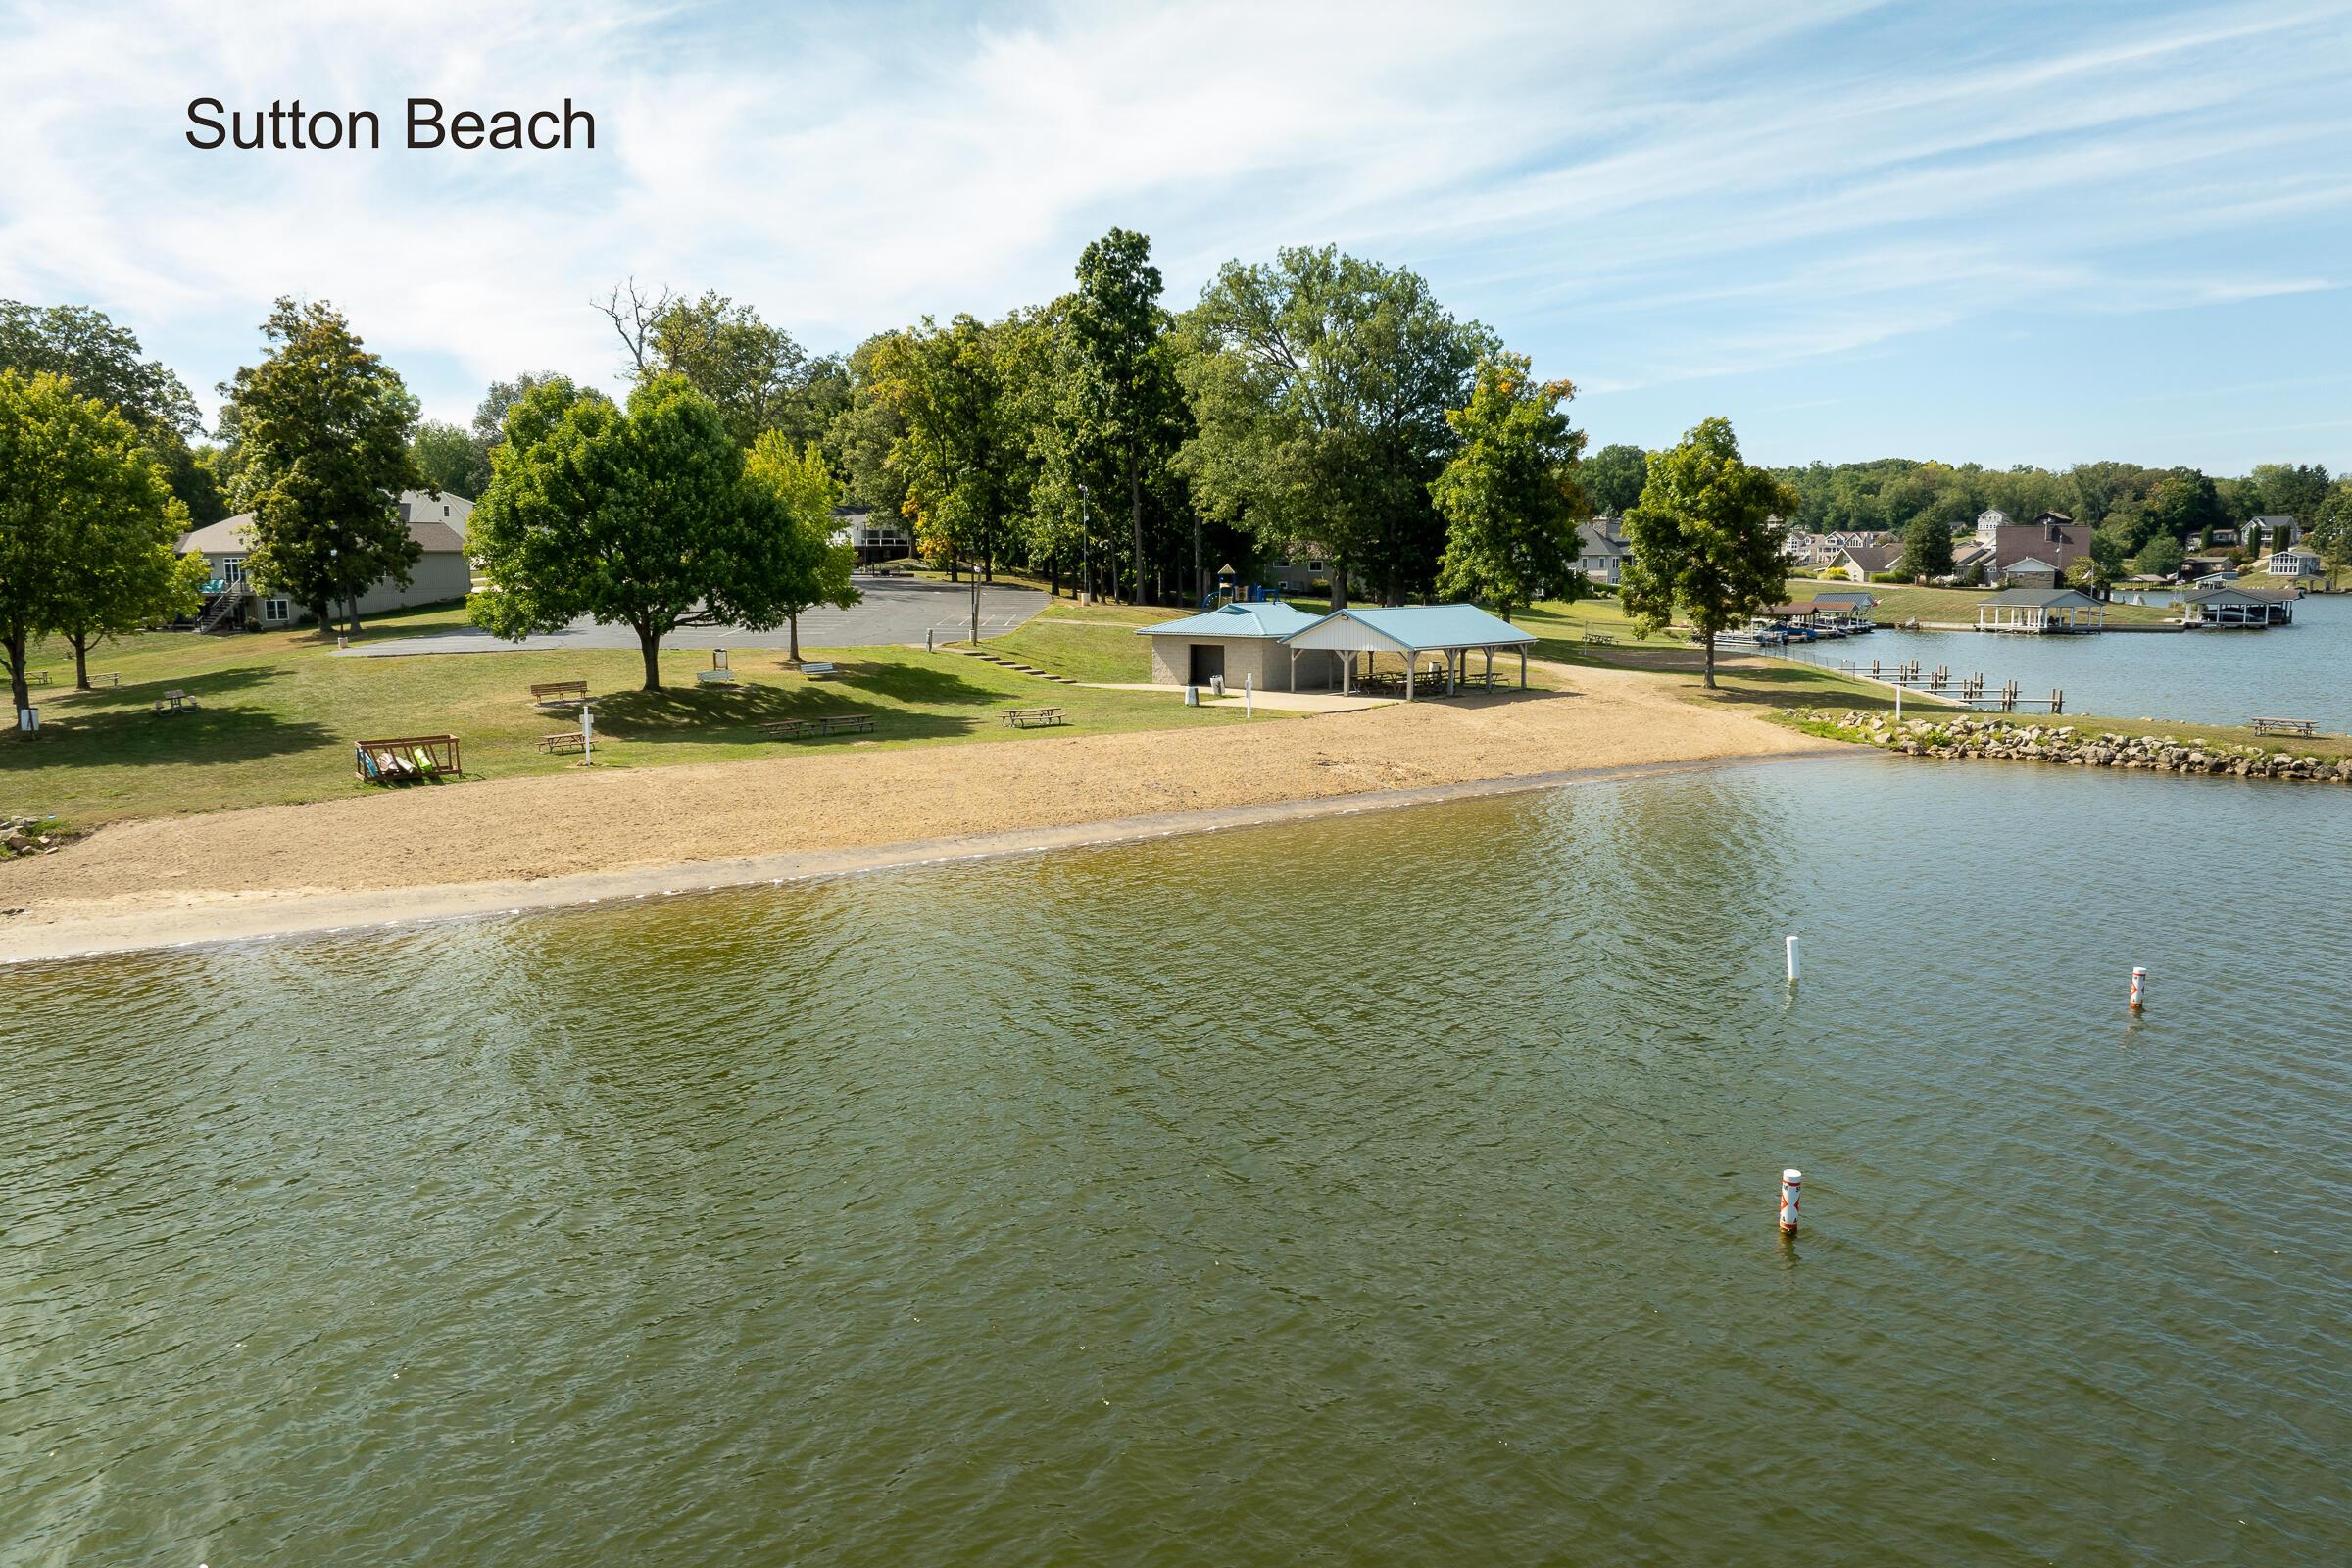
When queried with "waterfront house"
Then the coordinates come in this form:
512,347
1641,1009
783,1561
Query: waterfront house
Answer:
2050,543
1858,562
2030,573
442,573
2041,610
2273,530
2295,564
2233,604
1970,561
1989,523
1602,550
1235,643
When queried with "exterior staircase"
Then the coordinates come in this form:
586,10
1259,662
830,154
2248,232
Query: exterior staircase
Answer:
220,616
1019,668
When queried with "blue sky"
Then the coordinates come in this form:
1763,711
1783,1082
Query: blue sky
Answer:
1999,234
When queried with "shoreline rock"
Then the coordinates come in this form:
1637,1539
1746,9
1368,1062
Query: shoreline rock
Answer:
1967,739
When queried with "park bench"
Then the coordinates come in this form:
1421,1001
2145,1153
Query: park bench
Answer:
564,740
1033,718
39,677
175,701
820,671
560,693
2285,726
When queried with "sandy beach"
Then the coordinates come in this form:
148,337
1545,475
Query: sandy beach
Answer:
511,843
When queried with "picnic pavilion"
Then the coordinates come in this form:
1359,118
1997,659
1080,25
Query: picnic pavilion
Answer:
1412,633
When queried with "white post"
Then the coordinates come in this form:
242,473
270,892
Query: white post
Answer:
1898,704
2140,988
1791,1182
1793,960
587,737
1249,692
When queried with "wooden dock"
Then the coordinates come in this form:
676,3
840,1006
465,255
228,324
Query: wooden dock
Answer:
1967,690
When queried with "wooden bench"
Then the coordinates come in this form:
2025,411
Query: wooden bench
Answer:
564,740
1033,718
820,671
560,693
2284,726
406,759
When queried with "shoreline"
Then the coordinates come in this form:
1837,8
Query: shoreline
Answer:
297,915
540,838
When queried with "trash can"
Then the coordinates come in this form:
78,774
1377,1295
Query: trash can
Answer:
28,721
1192,697
1217,683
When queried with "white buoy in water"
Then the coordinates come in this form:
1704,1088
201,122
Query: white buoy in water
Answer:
1791,1182
2140,988
1793,960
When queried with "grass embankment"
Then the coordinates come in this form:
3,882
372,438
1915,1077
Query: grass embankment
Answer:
279,710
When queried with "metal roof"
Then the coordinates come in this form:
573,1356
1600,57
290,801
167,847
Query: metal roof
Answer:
2046,598
1267,618
1410,628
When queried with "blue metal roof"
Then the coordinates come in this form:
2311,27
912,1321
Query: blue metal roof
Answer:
1420,626
1268,617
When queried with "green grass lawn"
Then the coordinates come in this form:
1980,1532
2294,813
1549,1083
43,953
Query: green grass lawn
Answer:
1087,642
279,712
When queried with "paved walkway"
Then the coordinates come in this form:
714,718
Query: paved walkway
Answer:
892,611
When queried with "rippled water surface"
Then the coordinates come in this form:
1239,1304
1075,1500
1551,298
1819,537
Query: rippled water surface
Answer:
1398,1188
2204,677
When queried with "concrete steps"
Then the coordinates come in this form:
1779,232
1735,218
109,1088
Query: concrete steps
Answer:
1019,668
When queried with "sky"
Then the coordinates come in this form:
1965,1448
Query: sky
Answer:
1995,233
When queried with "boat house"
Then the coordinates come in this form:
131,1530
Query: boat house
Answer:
2230,606
2041,610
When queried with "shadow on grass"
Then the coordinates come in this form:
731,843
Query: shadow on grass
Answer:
132,734
729,714
917,685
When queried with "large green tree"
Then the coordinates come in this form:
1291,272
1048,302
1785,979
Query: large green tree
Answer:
804,491
1509,493
1319,385
1926,547
1612,477
2331,527
756,372
322,427
2290,489
451,458
86,523
103,360
1705,538
1124,396
962,451
641,517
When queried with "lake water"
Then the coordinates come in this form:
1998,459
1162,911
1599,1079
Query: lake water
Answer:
2206,678
1398,1188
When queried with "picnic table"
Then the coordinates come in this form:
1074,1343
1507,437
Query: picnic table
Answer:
2285,726
786,730
564,740
176,700
560,693
1033,718
1593,637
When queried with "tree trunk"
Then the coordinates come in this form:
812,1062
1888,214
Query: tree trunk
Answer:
794,622
81,660
17,690
1135,510
1338,585
1710,642
650,645
322,618
1200,565
355,615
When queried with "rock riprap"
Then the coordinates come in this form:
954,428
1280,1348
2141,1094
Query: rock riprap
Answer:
2072,746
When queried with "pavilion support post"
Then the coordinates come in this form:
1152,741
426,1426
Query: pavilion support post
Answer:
1451,684
1523,670
1408,677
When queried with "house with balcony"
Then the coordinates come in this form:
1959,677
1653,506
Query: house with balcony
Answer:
437,521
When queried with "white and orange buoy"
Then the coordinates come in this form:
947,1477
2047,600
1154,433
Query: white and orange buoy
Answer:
1792,1181
2140,988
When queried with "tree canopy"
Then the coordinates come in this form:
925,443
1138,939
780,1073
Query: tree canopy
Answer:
1705,538
321,429
804,491
87,524
641,516
1509,493
1319,384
